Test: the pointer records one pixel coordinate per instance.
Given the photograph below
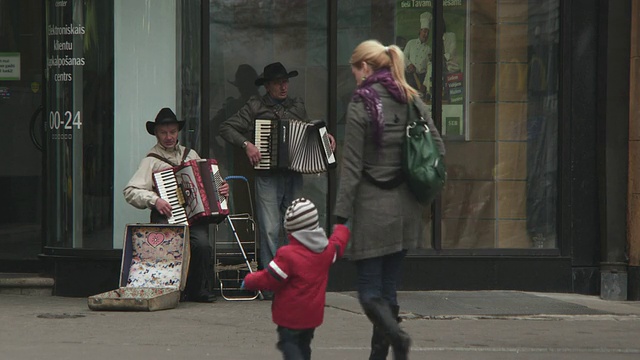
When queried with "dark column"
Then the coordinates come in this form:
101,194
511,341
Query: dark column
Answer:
614,27
579,211
634,140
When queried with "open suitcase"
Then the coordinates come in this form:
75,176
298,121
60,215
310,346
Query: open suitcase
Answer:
155,261
235,248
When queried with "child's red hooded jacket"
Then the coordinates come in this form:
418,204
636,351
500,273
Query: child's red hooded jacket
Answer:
298,276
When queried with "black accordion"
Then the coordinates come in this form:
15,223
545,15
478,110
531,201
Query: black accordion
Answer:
293,144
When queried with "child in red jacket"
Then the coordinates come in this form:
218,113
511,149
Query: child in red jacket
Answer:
298,277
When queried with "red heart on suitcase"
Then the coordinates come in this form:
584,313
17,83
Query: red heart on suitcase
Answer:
155,239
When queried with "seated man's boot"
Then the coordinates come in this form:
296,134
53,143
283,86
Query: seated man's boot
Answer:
203,296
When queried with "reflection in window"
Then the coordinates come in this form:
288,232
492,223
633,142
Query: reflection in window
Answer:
258,34
502,186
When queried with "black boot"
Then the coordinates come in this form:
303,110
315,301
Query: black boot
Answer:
379,343
382,317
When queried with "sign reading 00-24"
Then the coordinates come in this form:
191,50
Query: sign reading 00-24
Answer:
65,121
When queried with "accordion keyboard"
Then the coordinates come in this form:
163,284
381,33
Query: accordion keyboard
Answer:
168,190
264,132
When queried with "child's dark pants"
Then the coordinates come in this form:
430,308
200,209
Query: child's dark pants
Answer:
295,344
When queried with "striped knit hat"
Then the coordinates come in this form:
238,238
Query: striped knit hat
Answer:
301,215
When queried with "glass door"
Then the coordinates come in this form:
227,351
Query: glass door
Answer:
78,123
20,113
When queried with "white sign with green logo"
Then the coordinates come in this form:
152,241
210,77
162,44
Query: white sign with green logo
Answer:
9,66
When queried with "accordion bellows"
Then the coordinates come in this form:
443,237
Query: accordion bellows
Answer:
293,144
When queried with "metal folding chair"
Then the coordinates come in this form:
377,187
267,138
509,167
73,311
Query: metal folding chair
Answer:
236,249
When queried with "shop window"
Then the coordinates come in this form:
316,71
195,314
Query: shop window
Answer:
157,65
497,109
244,38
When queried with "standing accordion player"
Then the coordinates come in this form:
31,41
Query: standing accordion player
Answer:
293,144
192,189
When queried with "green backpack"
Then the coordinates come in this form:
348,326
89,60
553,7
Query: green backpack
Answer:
422,164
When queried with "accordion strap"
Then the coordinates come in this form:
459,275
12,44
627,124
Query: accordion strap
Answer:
162,158
186,152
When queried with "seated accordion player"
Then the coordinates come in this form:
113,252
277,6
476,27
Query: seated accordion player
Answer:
192,189
293,144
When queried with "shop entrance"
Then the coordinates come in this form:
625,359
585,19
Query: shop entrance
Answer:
21,87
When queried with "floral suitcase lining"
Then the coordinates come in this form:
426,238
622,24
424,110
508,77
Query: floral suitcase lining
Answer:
155,259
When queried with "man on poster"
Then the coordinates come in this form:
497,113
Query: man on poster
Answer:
417,54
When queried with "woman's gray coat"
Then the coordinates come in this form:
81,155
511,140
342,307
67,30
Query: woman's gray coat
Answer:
382,221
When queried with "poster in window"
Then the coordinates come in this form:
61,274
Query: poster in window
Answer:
415,34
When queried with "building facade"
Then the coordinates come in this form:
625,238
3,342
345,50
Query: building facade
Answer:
537,103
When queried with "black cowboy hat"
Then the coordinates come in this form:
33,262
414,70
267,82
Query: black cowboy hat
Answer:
165,116
274,71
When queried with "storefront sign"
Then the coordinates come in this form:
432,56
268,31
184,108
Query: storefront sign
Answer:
9,66
65,60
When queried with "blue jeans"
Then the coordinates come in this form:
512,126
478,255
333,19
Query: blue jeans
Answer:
295,344
274,194
378,277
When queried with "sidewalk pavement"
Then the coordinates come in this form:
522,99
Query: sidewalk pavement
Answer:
443,325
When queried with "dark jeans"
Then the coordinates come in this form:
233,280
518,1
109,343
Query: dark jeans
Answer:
295,344
378,277
201,273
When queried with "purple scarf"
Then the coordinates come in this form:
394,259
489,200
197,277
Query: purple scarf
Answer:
371,99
